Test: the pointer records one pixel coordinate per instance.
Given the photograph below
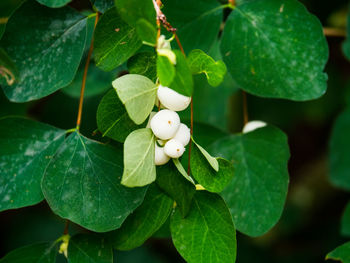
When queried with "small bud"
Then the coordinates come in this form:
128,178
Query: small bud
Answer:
64,245
164,49
253,125
160,157
167,53
183,134
162,43
174,148
172,99
165,124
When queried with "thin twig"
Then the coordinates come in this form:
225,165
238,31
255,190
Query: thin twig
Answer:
334,32
179,43
81,100
66,227
245,108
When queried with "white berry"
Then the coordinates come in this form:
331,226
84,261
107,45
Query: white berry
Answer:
165,124
160,157
174,148
172,99
253,125
150,118
183,134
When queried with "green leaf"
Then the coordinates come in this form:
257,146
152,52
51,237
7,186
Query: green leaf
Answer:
97,82
35,253
112,119
54,3
205,175
138,93
145,221
339,151
346,43
345,221
146,31
207,234
139,167
341,253
103,5
182,82
199,62
257,193
134,10
182,170
85,248
216,112
48,57
82,184
26,148
8,70
165,70
269,49
211,160
176,186
115,41
6,10
197,21
143,63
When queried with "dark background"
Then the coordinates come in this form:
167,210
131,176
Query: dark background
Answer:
310,224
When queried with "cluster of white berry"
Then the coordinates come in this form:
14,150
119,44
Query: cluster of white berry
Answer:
172,135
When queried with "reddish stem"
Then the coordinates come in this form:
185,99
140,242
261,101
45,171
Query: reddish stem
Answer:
83,84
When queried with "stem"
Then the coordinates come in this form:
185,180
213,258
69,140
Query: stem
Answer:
232,2
179,43
81,100
65,231
245,108
334,32
161,19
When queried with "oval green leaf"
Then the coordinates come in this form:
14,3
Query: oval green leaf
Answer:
82,184
257,193
207,234
138,94
183,81
134,10
276,49
341,253
85,248
139,167
170,180
199,62
35,253
144,63
48,57
115,41
145,221
112,119
205,175
165,70
26,148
